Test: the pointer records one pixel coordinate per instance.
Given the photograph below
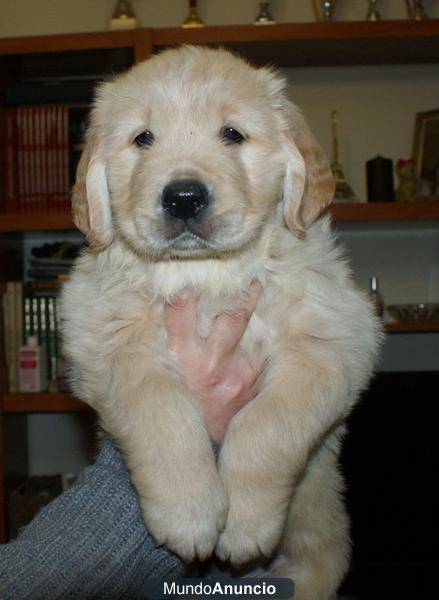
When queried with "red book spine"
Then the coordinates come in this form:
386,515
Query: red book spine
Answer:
37,133
20,158
31,159
50,128
47,166
57,156
62,157
27,162
43,158
9,165
65,146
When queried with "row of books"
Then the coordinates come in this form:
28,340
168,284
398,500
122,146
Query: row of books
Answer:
32,309
39,152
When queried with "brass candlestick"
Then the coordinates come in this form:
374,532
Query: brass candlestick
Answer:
192,20
264,17
343,191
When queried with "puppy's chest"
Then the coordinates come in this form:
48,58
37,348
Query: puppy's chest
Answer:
263,329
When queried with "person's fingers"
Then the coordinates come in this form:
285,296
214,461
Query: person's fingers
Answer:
181,321
228,329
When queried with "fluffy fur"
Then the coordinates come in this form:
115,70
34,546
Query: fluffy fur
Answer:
276,490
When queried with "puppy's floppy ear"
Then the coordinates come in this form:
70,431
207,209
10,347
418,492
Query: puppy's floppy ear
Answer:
90,198
309,184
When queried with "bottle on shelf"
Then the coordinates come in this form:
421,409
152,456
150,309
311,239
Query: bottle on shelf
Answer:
376,297
32,367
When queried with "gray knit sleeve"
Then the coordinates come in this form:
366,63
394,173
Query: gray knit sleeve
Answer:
90,542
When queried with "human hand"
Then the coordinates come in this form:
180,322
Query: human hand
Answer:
219,375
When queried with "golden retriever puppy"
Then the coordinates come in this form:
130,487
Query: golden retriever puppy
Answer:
199,174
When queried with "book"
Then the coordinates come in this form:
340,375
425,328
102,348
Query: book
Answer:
12,330
36,164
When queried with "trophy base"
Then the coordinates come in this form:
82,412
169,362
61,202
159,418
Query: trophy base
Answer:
264,22
122,23
193,21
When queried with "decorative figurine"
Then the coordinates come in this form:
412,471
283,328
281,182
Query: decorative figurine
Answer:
406,172
264,17
343,191
373,13
123,16
415,10
193,20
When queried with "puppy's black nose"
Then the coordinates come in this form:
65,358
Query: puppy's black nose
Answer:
185,198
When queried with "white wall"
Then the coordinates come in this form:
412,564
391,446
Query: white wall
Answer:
376,109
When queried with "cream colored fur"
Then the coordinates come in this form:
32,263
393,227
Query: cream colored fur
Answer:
276,490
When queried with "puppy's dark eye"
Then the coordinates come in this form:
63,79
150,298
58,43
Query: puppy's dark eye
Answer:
232,136
145,138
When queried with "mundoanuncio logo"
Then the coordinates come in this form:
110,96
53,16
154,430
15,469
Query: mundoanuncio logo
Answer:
245,588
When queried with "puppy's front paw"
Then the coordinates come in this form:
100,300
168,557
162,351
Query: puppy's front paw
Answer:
242,542
189,526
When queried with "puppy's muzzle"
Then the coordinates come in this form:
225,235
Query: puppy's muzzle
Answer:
185,199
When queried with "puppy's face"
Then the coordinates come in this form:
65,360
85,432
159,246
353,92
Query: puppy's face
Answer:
191,150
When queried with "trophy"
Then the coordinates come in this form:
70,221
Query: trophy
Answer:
192,20
415,10
264,17
343,191
123,16
373,13
328,8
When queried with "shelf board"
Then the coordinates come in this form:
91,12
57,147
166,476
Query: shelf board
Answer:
385,211
68,42
411,327
318,44
353,212
42,403
36,221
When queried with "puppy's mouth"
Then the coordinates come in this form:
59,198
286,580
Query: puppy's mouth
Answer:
188,234
187,242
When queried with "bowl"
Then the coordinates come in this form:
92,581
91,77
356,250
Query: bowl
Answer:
414,313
